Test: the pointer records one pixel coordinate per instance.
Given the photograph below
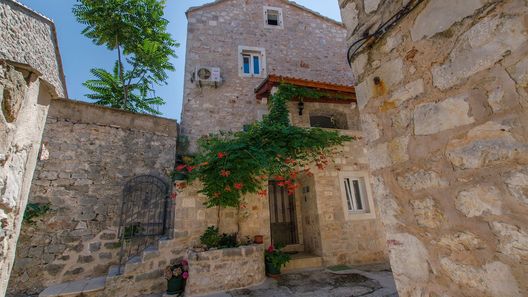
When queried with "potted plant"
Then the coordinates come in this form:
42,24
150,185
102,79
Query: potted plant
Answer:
176,276
275,259
259,239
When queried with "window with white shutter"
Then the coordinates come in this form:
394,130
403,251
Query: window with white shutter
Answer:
273,17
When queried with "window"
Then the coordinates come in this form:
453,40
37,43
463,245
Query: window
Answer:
252,61
357,198
329,119
273,17
355,194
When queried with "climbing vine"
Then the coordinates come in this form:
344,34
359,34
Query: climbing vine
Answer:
232,164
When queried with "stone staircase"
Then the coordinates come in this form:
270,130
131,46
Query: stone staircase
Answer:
302,261
140,275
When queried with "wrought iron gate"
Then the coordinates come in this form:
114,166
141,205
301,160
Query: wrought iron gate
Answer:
145,215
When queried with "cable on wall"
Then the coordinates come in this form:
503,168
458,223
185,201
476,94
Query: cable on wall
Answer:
370,39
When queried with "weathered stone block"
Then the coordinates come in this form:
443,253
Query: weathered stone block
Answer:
479,200
494,278
371,5
461,241
379,156
427,213
513,240
440,15
409,91
408,257
85,259
389,74
479,48
421,179
431,118
518,185
485,145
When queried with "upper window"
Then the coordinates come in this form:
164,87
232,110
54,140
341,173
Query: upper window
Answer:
328,119
252,61
356,194
273,17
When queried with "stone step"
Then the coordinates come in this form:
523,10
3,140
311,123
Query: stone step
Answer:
303,261
75,289
113,271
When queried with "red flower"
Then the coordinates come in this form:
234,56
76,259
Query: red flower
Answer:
279,178
280,184
190,168
180,167
239,186
225,173
263,193
271,248
185,275
293,175
221,155
174,195
289,161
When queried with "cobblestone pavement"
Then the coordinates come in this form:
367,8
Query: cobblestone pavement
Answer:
367,281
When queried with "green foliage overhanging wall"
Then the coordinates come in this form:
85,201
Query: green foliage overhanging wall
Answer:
231,165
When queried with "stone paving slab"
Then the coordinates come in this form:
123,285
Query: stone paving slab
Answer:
364,281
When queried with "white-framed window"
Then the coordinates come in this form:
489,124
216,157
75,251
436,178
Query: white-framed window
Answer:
358,203
252,61
273,17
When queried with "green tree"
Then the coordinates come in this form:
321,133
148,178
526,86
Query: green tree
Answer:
108,89
137,31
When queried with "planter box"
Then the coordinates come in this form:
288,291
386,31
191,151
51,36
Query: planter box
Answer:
226,269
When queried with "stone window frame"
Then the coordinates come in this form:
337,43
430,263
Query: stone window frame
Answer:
253,51
370,212
280,25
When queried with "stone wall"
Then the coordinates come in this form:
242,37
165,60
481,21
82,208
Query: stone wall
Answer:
30,38
226,269
309,47
88,153
30,76
443,98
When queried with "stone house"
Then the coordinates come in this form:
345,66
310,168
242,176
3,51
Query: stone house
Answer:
237,52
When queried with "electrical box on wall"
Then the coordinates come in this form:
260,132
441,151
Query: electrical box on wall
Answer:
207,76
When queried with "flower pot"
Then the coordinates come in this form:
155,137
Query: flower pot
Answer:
271,270
179,176
259,239
175,286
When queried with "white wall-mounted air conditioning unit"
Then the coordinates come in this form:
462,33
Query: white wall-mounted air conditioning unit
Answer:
207,76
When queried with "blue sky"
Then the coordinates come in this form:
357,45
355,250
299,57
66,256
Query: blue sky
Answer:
79,55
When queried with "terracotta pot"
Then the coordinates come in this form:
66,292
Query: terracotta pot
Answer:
259,239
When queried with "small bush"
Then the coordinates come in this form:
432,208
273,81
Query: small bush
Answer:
211,237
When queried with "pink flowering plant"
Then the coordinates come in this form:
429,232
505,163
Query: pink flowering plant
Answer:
276,257
232,164
179,270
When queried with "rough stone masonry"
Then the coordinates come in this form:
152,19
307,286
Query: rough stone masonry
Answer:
30,76
91,152
444,95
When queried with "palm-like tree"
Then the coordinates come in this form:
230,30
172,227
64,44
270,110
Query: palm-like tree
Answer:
108,90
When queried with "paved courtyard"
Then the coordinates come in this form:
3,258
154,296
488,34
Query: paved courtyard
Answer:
367,281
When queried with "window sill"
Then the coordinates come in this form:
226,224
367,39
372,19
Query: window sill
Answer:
359,216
